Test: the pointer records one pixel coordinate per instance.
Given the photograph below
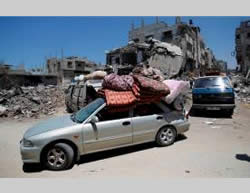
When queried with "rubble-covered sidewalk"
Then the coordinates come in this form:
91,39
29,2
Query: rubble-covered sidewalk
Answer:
241,87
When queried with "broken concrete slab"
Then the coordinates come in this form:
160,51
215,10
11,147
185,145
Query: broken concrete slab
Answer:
3,110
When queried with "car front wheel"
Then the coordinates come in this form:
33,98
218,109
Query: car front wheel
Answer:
59,157
166,136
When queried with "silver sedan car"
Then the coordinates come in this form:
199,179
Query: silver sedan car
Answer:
59,142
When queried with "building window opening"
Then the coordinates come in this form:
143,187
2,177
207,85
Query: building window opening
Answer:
79,64
136,40
70,65
117,60
189,47
129,58
202,45
167,36
149,37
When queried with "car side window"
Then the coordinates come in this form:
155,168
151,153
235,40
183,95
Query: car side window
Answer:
147,109
81,91
72,90
107,115
76,91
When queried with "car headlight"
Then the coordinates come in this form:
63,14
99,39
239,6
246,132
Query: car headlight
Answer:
27,143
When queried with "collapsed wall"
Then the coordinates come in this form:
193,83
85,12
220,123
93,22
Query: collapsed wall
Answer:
9,80
166,57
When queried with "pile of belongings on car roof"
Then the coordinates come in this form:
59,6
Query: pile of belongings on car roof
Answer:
144,85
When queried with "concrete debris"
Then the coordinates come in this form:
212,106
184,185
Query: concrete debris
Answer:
241,88
3,110
209,122
215,127
26,102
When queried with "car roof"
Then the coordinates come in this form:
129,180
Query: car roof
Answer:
211,77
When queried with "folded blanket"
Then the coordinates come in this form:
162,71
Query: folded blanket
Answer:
136,91
145,98
176,87
139,92
149,85
119,98
118,83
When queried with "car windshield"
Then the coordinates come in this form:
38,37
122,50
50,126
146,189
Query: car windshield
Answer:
86,111
212,82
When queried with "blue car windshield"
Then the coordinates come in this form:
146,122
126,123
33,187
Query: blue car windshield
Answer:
212,82
86,111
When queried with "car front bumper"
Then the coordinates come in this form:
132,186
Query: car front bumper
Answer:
214,106
30,154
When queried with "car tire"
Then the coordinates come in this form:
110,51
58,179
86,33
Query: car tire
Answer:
166,136
59,157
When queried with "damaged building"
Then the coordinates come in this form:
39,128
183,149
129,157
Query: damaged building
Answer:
12,77
67,68
242,46
196,57
125,58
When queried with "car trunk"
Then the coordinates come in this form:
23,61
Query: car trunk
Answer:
213,96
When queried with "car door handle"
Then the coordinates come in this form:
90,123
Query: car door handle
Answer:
126,123
159,117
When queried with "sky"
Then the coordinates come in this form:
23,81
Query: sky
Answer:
29,40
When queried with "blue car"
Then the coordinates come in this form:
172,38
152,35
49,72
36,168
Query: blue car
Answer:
213,93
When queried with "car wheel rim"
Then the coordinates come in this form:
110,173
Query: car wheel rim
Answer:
167,135
56,157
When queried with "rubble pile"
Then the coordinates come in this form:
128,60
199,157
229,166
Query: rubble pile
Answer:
242,89
26,102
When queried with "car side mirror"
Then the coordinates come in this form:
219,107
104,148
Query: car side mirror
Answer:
94,119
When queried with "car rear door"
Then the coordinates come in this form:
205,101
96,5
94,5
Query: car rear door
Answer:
146,120
112,130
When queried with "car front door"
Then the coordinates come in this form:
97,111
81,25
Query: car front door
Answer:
112,130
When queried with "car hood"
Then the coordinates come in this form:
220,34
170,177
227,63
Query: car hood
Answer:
49,125
212,90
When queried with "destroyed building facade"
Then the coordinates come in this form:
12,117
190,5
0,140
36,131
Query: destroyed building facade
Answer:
222,65
242,46
185,35
12,77
67,68
196,57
